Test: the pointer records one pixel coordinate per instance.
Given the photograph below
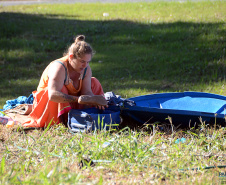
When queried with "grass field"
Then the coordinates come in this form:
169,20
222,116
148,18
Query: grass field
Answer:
141,48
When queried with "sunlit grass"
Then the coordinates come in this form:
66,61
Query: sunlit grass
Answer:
141,12
141,48
131,156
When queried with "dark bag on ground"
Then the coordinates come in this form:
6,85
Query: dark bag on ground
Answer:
93,119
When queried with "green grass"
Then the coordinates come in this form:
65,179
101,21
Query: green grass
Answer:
144,157
144,48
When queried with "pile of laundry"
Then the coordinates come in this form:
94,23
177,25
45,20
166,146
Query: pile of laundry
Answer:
10,104
21,105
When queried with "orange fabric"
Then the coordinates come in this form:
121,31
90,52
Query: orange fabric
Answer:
43,83
45,111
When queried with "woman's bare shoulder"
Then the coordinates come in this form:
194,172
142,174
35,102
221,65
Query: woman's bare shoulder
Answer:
57,68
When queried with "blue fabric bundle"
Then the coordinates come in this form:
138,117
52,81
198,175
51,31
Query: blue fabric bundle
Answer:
116,100
10,104
93,119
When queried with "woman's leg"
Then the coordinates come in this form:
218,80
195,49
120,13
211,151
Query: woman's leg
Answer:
96,87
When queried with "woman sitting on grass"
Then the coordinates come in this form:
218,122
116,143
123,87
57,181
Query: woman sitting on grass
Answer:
65,84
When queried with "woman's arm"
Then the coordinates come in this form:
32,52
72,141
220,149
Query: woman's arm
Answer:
86,83
86,86
56,76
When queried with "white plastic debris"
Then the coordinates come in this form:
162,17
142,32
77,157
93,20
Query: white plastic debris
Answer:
105,14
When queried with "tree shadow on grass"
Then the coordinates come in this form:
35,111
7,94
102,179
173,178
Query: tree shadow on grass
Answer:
129,55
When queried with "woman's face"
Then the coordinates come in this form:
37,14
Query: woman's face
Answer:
79,64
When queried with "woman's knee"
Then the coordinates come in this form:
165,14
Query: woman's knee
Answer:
96,86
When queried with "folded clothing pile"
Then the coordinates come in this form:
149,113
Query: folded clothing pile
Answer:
10,104
116,100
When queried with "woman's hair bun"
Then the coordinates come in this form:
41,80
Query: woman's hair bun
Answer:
79,47
79,38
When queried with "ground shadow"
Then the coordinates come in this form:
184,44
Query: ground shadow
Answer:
155,57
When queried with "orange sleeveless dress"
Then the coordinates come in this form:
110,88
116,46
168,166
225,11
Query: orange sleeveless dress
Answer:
44,111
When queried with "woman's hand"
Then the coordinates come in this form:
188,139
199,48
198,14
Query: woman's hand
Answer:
97,100
101,107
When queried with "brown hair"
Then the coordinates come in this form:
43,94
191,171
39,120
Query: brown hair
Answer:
79,48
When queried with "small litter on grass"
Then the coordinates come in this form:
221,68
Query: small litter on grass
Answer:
86,161
181,140
105,14
108,143
50,173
